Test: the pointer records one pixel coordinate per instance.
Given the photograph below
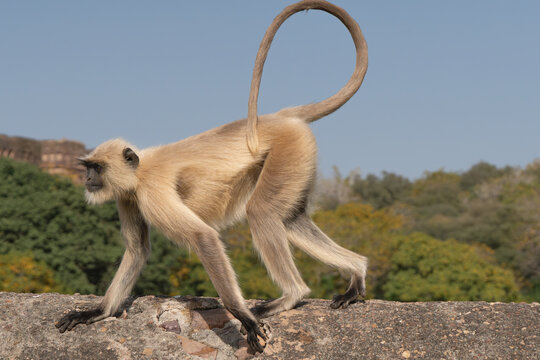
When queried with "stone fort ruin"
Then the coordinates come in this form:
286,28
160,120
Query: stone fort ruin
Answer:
54,156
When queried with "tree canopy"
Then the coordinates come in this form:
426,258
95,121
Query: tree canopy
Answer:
447,236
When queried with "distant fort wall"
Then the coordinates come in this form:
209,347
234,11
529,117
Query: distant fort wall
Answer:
54,156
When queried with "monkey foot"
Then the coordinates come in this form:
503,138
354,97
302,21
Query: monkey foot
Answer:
74,317
273,307
343,301
264,310
254,331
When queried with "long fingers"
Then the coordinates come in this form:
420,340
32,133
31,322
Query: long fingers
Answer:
74,317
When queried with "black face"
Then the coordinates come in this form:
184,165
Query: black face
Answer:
93,176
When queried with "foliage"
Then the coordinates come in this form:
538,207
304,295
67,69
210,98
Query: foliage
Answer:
51,240
480,173
155,277
425,269
47,216
191,278
437,193
360,228
486,205
330,193
21,273
381,192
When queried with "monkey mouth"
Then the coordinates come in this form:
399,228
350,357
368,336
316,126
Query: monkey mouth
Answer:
93,188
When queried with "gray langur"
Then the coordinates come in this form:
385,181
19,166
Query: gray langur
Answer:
262,168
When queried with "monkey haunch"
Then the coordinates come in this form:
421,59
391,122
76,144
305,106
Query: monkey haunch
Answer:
191,189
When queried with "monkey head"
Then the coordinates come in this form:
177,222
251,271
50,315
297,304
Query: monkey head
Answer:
110,171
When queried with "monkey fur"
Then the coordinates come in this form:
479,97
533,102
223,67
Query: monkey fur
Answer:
262,168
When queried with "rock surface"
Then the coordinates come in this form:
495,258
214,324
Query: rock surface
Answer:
194,327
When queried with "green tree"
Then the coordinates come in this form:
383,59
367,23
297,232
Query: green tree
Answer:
47,216
480,173
437,193
21,273
533,170
424,269
360,228
330,193
155,278
382,192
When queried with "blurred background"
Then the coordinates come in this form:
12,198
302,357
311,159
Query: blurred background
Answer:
429,170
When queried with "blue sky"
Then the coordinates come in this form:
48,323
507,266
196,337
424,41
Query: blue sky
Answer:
449,83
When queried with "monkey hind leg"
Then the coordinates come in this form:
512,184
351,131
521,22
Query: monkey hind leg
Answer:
306,236
282,187
270,240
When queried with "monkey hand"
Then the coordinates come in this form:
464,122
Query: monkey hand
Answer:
74,317
253,332
343,301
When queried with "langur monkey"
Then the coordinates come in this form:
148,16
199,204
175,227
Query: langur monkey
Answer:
262,168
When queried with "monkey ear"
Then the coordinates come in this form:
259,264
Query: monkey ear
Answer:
131,158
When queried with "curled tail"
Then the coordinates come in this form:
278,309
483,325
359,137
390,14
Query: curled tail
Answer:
310,112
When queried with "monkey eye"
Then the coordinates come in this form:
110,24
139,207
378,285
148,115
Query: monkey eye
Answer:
98,168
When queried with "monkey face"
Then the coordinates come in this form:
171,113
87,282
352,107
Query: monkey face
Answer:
110,171
94,181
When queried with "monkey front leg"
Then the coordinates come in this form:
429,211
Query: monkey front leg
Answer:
181,225
212,254
135,233
104,310
119,289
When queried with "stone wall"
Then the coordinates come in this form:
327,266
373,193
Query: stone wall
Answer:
19,148
60,157
54,156
186,327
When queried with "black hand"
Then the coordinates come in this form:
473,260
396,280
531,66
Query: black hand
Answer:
74,317
253,330
344,300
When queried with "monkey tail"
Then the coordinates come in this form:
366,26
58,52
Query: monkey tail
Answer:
309,112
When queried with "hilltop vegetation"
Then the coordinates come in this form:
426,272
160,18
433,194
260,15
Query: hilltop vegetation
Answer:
447,236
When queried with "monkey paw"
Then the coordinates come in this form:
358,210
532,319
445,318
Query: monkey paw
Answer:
253,333
272,307
74,317
343,301
261,311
